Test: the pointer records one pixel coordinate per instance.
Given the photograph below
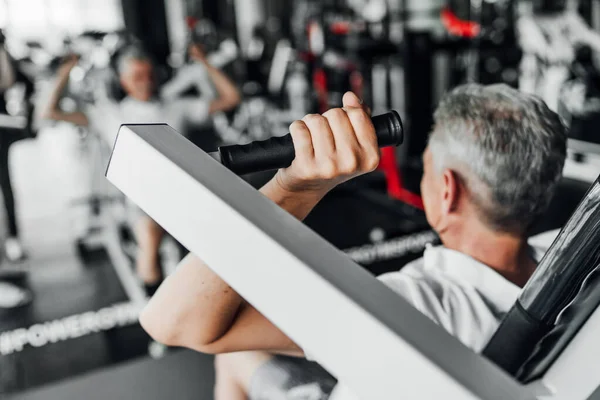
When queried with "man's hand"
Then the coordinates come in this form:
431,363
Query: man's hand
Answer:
197,53
331,149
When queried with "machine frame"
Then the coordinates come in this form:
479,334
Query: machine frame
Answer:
366,335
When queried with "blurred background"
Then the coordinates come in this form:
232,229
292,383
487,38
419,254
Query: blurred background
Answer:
72,275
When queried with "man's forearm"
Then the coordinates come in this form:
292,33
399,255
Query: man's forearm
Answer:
227,92
53,111
52,107
194,307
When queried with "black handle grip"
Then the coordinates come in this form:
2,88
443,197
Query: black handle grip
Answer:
278,152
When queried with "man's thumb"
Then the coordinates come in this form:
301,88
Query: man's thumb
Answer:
351,100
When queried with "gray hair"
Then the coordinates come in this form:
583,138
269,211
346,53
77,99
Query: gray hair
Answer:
131,53
508,147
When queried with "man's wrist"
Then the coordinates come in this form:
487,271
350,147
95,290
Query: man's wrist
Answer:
201,61
306,193
296,202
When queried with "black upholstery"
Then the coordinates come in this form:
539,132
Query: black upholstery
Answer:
531,336
569,322
568,195
512,343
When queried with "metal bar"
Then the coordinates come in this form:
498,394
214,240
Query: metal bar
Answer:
121,264
361,331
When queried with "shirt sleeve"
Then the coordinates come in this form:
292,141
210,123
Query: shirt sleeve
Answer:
411,290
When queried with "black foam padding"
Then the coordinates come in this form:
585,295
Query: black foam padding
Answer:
515,339
566,264
389,129
569,322
279,152
265,155
555,284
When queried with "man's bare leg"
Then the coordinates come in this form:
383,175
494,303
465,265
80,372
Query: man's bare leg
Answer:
235,372
149,236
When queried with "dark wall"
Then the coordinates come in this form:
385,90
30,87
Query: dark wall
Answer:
221,13
146,19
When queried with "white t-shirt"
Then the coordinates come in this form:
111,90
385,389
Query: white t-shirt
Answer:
459,293
105,117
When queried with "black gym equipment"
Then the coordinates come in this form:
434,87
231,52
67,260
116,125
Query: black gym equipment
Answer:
278,152
556,301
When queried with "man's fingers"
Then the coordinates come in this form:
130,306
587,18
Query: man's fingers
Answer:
343,132
302,140
322,136
351,100
366,137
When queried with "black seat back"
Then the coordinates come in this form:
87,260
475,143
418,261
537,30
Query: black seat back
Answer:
569,322
558,282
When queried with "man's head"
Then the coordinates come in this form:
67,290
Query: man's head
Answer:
494,158
136,74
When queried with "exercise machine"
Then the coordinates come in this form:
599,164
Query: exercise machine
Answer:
152,165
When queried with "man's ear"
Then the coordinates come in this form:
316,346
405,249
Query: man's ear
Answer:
450,192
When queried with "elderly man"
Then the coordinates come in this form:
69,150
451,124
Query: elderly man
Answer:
494,159
143,104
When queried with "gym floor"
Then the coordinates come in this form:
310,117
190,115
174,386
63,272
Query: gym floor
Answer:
46,180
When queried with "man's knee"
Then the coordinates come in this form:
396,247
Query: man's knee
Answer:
222,364
240,366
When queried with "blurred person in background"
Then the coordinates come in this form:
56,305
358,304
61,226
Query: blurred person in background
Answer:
549,36
145,102
10,296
